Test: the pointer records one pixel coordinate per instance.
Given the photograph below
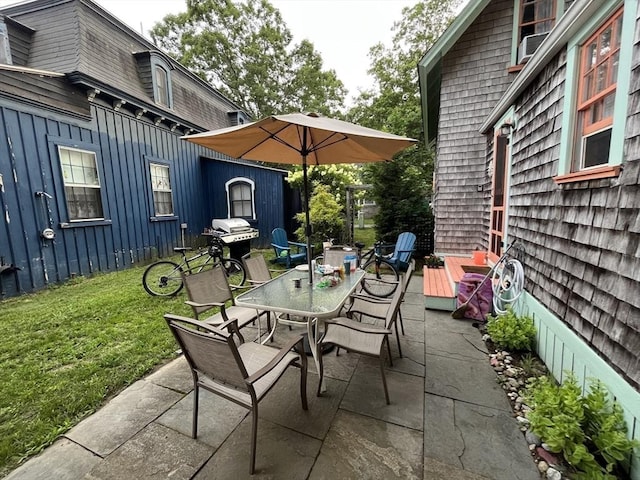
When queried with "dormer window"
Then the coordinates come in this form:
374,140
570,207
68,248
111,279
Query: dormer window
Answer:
5,49
161,86
155,69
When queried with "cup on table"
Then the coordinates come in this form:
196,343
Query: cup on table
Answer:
347,267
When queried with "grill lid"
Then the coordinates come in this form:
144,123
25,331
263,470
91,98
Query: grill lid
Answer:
230,225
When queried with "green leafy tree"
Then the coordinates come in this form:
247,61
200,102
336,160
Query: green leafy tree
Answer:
325,215
335,177
245,50
402,188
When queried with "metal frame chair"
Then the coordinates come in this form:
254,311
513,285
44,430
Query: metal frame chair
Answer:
222,363
209,289
365,338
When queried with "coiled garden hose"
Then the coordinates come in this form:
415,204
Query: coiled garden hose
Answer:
508,284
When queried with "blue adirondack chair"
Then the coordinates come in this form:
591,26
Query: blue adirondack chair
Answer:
404,248
287,253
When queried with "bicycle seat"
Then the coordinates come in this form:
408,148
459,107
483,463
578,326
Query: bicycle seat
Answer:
359,245
181,249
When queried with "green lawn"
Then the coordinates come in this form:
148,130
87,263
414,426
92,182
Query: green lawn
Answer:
67,349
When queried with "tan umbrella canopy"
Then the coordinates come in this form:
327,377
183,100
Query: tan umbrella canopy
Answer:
303,139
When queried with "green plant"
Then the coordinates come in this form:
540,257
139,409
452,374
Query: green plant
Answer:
511,331
531,365
589,431
325,214
433,261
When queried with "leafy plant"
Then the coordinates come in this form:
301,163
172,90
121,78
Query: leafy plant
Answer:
325,215
589,431
433,261
511,331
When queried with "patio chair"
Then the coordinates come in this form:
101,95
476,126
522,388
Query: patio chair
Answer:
258,272
287,253
404,248
209,289
242,372
364,338
406,278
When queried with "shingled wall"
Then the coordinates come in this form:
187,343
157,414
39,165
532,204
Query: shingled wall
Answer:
580,241
474,78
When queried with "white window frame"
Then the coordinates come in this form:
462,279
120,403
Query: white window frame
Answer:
229,184
161,188
70,182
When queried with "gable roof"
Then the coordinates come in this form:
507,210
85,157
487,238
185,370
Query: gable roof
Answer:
430,67
99,53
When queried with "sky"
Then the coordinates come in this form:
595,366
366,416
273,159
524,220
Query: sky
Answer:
341,30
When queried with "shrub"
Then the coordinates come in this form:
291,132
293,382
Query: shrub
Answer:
511,331
589,431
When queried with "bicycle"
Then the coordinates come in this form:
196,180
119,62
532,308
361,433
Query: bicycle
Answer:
381,277
164,278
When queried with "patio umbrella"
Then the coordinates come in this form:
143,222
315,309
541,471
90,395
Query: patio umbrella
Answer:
303,139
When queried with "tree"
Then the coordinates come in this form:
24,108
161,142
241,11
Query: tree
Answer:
402,188
325,215
244,49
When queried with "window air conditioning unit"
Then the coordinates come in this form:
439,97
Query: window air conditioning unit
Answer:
529,45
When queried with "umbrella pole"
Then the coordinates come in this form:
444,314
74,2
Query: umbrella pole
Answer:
307,219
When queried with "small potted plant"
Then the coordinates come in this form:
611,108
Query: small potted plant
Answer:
433,261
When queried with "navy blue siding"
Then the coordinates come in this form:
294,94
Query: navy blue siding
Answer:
124,148
269,197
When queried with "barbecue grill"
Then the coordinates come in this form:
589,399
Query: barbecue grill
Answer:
236,233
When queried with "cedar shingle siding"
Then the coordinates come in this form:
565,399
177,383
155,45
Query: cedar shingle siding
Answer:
474,76
581,240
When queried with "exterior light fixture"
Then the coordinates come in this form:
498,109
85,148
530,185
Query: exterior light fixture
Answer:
506,128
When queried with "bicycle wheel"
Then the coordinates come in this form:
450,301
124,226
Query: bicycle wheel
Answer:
235,272
382,283
162,279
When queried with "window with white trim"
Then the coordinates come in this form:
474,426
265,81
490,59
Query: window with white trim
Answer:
599,60
161,187
81,183
240,198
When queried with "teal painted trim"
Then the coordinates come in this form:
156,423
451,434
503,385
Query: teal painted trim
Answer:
569,105
562,350
616,151
515,31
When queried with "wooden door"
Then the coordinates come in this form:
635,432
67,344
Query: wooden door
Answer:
499,195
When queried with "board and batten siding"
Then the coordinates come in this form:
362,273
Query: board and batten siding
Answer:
124,148
268,195
474,78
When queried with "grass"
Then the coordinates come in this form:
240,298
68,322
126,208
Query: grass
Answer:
67,349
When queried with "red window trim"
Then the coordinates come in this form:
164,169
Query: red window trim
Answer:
596,173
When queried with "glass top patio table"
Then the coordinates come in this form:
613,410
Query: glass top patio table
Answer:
280,294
